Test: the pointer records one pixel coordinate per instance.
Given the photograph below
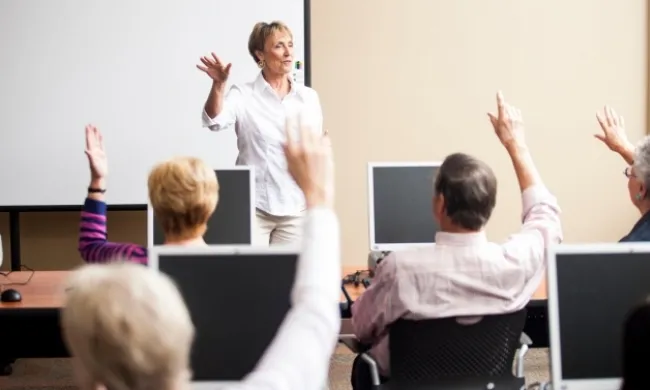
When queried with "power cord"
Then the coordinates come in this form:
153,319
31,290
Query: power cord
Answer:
12,283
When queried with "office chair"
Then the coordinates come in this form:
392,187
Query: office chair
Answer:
452,353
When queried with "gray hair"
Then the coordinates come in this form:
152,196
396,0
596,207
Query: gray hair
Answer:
642,163
469,188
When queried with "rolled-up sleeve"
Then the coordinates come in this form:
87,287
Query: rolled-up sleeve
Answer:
228,115
541,228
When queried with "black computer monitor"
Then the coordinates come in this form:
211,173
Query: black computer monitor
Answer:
400,201
233,221
591,290
237,298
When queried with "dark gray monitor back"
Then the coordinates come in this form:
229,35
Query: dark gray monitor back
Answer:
237,303
402,204
596,292
231,223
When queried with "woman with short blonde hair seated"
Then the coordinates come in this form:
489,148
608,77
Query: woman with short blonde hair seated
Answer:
128,328
183,192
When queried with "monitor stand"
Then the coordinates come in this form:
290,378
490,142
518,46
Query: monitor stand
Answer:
374,258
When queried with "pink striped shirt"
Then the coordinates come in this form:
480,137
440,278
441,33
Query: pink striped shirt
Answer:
462,275
94,246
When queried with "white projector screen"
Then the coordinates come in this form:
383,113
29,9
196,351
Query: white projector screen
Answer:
129,67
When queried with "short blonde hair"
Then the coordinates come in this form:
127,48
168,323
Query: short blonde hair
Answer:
127,326
184,193
261,32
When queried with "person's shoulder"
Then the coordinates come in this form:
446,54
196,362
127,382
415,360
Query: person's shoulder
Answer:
307,93
408,260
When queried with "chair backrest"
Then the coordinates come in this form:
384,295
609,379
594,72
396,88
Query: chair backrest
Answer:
449,348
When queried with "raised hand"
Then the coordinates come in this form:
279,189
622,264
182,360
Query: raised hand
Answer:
214,68
613,127
310,162
508,124
95,153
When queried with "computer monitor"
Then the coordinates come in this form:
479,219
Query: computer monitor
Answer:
233,221
400,202
591,290
237,297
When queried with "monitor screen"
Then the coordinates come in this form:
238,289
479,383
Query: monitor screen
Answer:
232,221
237,303
401,205
596,290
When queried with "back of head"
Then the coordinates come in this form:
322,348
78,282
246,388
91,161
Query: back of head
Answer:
636,344
468,188
127,326
184,193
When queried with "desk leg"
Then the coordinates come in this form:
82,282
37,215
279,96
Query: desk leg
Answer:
6,368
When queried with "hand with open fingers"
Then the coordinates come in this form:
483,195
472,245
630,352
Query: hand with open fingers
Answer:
95,153
310,163
214,68
613,127
508,124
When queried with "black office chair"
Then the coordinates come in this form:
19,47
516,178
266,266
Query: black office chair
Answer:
453,353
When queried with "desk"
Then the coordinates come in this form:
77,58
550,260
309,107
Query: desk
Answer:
30,328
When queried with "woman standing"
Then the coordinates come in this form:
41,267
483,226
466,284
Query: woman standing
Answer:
259,111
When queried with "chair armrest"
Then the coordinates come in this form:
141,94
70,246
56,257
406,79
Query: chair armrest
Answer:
525,340
353,344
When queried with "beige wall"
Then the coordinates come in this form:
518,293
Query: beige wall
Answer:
412,80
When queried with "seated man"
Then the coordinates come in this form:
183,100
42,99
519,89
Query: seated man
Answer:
183,192
463,274
128,327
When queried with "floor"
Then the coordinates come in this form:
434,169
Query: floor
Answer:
56,374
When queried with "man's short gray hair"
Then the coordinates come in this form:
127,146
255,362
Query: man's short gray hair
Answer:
642,163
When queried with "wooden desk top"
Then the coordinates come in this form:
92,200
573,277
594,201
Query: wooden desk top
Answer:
45,290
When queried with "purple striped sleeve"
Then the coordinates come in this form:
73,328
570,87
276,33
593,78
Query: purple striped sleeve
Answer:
94,246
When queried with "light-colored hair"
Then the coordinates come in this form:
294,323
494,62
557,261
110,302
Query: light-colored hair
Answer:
127,326
642,163
261,32
184,193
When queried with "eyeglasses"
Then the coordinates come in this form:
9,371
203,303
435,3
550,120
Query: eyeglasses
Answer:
628,172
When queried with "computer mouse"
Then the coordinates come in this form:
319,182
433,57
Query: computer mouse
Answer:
10,295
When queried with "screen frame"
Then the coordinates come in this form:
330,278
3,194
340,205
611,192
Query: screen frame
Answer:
253,190
554,314
225,250
385,247
154,263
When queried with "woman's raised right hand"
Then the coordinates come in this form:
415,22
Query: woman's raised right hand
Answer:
613,127
214,68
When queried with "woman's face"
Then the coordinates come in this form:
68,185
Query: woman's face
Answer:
634,187
278,53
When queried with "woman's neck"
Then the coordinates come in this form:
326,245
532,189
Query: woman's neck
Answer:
644,207
279,82
196,241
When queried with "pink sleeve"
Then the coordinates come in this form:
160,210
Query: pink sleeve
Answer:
380,305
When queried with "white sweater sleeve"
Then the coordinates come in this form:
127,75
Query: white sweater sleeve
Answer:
298,358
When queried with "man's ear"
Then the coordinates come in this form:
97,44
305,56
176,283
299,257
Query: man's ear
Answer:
439,204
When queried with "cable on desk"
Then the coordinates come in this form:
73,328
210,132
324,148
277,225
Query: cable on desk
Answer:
357,278
12,283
